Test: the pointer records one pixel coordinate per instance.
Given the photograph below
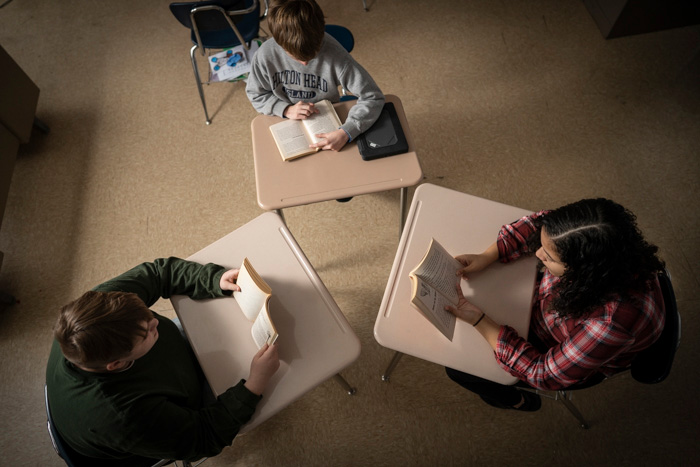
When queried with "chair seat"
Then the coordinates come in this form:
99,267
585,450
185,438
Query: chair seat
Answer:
219,24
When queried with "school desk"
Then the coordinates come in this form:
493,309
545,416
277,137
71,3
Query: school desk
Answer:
315,340
462,224
329,175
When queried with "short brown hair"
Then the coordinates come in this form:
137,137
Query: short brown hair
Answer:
101,327
298,26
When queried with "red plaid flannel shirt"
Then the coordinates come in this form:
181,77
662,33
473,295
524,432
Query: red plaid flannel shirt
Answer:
603,341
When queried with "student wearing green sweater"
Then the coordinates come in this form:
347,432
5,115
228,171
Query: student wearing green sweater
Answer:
122,381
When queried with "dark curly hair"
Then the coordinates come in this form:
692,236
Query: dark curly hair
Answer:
604,252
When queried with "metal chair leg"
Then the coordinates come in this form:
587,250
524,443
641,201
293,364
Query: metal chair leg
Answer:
195,69
344,384
392,364
41,126
563,397
176,463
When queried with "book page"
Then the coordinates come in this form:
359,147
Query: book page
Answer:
439,268
259,281
263,330
432,305
252,296
291,139
325,121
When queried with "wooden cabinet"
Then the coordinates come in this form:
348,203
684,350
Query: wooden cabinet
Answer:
616,18
18,99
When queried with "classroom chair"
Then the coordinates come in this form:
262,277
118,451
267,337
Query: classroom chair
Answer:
650,366
346,39
74,459
342,35
219,24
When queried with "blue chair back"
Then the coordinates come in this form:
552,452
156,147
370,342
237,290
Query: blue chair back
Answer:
212,24
342,35
653,364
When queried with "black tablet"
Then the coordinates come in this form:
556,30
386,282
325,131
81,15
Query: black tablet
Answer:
385,137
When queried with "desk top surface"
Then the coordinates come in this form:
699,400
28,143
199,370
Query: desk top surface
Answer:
315,341
327,175
462,224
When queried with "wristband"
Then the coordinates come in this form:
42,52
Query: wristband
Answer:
480,318
346,132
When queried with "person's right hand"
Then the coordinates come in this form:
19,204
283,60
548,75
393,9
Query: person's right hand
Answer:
264,365
472,263
300,110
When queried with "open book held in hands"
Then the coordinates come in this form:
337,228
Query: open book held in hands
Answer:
434,285
293,137
254,299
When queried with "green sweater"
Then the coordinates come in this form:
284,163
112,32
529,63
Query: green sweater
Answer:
154,409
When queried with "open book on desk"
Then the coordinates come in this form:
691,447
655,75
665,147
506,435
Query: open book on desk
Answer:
434,285
254,300
293,137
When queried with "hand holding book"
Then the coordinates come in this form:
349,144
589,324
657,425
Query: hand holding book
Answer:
228,280
437,292
254,299
465,310
264,365
476,263
295,136
435,286
300,111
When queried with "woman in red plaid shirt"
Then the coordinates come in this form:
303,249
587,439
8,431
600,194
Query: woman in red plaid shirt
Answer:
597,302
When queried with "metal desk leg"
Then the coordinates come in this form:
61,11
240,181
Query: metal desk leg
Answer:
281,214
394,361
41,126
402,209
7,299
344,384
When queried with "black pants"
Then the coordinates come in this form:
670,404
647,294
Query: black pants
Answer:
510,395
495,392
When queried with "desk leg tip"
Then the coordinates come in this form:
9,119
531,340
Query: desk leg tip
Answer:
7,299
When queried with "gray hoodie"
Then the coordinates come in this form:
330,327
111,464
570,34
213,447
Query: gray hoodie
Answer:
277,80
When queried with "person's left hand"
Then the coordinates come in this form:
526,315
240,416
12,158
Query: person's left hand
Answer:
465,310
335,140
228,280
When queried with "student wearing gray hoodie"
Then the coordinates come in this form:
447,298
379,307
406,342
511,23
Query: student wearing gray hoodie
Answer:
301,65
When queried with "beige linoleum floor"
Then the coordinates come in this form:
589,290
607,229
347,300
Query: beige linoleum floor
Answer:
524,103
